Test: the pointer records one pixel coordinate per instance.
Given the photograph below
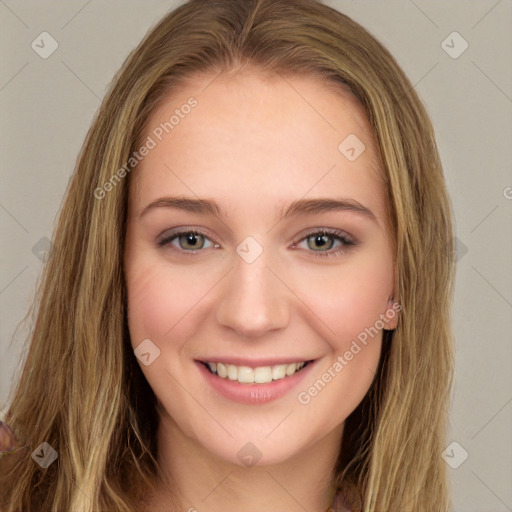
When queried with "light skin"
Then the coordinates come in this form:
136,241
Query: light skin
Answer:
254,145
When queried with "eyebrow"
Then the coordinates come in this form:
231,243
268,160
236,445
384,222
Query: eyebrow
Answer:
298,207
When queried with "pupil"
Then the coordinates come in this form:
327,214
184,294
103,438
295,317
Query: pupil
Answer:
321,240
191,239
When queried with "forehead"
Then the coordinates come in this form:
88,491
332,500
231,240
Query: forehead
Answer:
251,137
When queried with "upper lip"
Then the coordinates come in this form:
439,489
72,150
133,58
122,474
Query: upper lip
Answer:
254,363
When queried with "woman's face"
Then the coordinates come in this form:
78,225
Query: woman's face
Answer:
292,262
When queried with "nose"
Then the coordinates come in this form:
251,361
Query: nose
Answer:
253,301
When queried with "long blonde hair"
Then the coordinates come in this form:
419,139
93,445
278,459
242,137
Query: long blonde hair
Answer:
81,389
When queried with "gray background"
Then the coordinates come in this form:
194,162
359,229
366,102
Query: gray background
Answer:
47,106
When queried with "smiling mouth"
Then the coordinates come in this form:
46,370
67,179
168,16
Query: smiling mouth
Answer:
259,375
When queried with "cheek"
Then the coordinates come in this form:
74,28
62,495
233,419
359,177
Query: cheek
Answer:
163,306
161,301
351,307
348,300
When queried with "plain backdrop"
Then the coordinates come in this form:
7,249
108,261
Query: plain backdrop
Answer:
47,105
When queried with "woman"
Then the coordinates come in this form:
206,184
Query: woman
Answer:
196,348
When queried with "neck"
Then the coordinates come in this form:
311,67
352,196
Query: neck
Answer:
194,479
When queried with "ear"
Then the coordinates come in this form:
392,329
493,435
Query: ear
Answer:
391,315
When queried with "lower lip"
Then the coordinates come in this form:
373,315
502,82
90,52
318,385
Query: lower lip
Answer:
253,393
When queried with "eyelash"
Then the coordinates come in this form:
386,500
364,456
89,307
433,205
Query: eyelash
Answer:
333,233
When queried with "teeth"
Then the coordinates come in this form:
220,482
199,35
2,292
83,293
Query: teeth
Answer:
290,369
260,375
221,370
279,371
232,372
244,374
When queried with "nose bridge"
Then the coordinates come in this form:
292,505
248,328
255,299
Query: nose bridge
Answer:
253,300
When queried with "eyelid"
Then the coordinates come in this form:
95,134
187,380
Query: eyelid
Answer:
347,242
328,231
165,238
168,235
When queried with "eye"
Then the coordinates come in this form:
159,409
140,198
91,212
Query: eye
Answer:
185,241
323,241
